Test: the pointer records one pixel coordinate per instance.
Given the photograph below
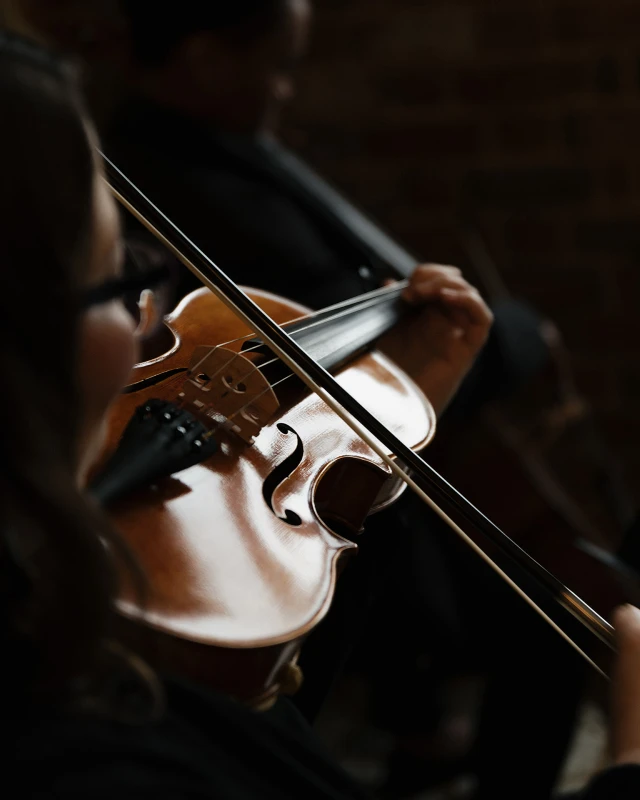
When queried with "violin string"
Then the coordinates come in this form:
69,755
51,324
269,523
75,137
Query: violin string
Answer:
232,359
227,364
257,367
346,307
269,388
217,425
373,298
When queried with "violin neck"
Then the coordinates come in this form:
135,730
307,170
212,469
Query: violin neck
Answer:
335,336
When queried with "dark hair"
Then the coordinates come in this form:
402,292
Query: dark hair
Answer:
158,28
56,580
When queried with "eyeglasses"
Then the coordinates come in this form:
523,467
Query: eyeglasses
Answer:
146,288
125,288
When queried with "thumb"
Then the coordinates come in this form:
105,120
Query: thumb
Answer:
626,687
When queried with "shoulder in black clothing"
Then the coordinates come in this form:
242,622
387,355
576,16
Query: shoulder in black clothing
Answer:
240,209
206,747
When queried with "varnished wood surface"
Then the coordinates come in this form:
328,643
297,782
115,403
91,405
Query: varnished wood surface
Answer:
223,569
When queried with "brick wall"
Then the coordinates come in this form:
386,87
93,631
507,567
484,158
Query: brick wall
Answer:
526,114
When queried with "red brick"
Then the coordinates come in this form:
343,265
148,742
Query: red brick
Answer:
628,282
603,335
329,95
524,84
598,382
597,23
432,141
616,181
618,235
607,133
622,428
430,240
423,189
626,288
543,186
511,28
529,134
408,89
561,292
350,36
631,386
426,33
607,75
534,234
95,30
322,143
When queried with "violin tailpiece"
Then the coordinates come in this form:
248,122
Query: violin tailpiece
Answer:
160,440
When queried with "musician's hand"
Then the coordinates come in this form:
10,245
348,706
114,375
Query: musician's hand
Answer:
438,346
625,732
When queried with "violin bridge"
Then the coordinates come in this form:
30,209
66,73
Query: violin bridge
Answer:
228,387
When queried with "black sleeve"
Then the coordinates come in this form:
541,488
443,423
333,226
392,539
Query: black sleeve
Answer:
257,234
205,747
618,783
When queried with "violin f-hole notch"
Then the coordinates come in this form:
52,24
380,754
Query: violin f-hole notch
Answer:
281,472
226,385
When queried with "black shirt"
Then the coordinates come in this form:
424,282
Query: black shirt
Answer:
205,747
233,198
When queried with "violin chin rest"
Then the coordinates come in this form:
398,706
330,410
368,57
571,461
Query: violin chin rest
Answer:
160,440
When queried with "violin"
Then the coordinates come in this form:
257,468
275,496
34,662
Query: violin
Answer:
243,550
240,492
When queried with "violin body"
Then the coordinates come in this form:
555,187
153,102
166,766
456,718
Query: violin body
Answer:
241,553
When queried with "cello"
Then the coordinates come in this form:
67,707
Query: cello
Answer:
240,494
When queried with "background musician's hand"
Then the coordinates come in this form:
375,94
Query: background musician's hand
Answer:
625,731
438,346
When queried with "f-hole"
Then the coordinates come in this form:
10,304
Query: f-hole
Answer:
281,472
